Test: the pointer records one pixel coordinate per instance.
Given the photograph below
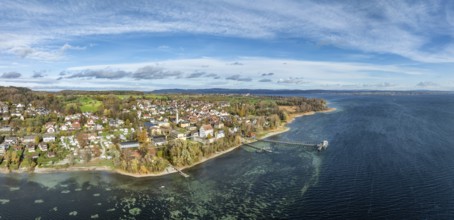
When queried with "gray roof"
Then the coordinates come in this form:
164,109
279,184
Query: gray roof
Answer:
129,144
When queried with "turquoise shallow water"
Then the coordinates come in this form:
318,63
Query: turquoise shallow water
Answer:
390,157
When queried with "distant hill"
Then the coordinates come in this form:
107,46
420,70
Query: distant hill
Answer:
23,94
294,91
236,91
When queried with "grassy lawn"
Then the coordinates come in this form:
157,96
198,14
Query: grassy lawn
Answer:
96,163
86,103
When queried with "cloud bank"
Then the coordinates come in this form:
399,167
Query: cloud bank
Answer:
409,29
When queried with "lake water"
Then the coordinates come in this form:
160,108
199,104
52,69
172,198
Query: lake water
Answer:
390,157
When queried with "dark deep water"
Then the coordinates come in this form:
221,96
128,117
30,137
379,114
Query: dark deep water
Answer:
390,157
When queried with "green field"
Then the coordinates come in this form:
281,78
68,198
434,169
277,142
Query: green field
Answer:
86,103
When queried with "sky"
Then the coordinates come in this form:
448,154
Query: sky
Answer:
301,44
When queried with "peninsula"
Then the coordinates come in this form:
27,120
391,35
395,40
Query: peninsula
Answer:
134,133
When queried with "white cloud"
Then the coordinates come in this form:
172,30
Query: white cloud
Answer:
67,46
298,74
292,80
427,84
395,27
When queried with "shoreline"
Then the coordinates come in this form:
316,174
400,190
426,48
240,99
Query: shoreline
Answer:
279,130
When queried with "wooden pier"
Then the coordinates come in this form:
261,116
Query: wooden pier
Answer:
181,172
321,146
258,148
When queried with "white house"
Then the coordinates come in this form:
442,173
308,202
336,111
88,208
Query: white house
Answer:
178,135
29,139
3,148
219,125
220,134
206,130
11,140
31,148
48,138
42,147
5,129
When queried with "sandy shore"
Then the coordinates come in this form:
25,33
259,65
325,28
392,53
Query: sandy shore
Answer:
283,128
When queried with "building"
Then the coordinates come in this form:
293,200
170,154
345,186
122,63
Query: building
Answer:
184,124
4,108
220,134
205,131
48,138
159,140
29,139
5,129
129,144
3,148
42,146
50,127
75,125
178,135
11,140
31,148
219,125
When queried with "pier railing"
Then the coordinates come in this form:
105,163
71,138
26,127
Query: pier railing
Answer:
321,146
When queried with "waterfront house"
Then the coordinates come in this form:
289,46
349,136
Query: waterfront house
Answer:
205,131
220,134
129,144
35,155
3,148
159,140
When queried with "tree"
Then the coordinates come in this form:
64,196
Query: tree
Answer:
134,165
82,139
143,136
143,169
86,155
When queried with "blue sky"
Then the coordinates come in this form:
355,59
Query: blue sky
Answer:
148,45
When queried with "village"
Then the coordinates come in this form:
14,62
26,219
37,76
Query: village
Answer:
64,140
